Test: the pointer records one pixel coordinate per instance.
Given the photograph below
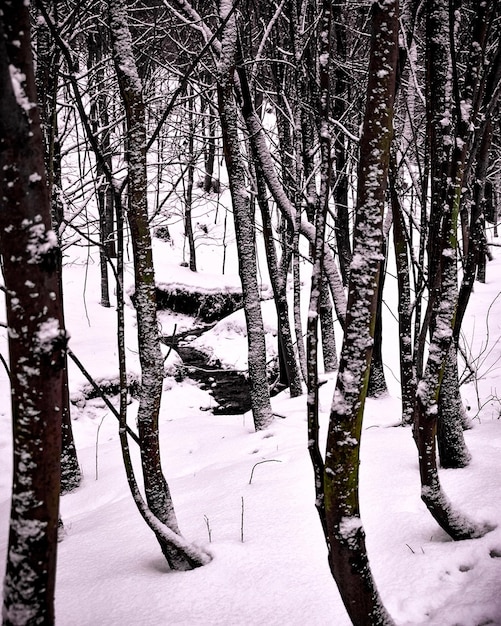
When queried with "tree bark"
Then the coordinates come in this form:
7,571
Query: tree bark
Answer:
340,101
289,368
345,536
291,374
329,354
447,162
47,86
377,381
244,226
188,190
100,120
157,491
37,338
407,366
452,448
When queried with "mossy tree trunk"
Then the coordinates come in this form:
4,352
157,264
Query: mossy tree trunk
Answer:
345,535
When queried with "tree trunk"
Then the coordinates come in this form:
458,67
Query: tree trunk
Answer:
291,376
289,369
47,87
188,192
244,227
180,553
451,444
210,183
377,381
157,492
329,354
345,536
100,121
340,101
475,249
37,338
447,159
407,366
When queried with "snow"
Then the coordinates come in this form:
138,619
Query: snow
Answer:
41,240
18,80
269,561
48,333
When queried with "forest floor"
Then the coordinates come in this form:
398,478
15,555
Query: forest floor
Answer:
249,499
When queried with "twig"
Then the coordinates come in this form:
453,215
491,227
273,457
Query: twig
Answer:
102,395
209,531
242,522
4,363
97,443
171,344
259,463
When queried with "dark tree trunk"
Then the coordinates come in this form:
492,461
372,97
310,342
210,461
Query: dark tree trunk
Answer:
475,249
47,87
407,367
188,193
289,372
340,101
244,229
377,382
290,375
47,75
452,448
71,474
447,160
100,120
210,183
37,338
327,329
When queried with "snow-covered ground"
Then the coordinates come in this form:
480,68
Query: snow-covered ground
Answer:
270,560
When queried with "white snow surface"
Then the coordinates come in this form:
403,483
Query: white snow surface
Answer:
110,568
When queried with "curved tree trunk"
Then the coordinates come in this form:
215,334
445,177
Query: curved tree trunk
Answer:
345,536
447,161
157,492
244,227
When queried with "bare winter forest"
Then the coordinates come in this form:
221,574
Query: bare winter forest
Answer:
233,228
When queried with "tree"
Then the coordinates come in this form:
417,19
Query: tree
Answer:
99,119
47,62
337,478
179,555
244,224
37,338
454,127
